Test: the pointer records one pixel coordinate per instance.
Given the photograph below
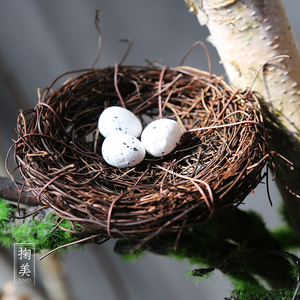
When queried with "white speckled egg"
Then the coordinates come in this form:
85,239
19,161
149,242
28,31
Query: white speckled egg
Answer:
161,136
118,119
122,150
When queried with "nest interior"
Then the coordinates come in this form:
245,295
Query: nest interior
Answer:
217,163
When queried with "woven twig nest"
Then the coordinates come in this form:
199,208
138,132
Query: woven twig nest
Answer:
217,163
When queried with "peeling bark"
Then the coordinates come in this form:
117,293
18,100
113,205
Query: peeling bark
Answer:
247,35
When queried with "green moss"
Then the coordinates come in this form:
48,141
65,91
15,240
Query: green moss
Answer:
5,212
285,215
200,275
287,237
243,290
44,234
129,257
238,243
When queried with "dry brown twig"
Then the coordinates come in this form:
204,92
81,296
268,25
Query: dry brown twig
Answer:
217,163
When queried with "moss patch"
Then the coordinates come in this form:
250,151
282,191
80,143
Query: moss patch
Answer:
44,234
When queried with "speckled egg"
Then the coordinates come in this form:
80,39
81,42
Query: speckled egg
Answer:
118,119
161,137
122,150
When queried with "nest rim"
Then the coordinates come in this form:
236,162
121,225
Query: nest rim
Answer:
158,196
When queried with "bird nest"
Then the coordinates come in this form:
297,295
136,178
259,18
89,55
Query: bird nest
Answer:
217,163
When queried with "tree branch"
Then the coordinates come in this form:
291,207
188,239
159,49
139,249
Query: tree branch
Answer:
236,242
10,192
247,35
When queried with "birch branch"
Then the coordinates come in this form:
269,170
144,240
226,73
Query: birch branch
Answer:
247,35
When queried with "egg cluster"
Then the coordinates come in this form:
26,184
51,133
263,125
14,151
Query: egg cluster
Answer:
121,128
